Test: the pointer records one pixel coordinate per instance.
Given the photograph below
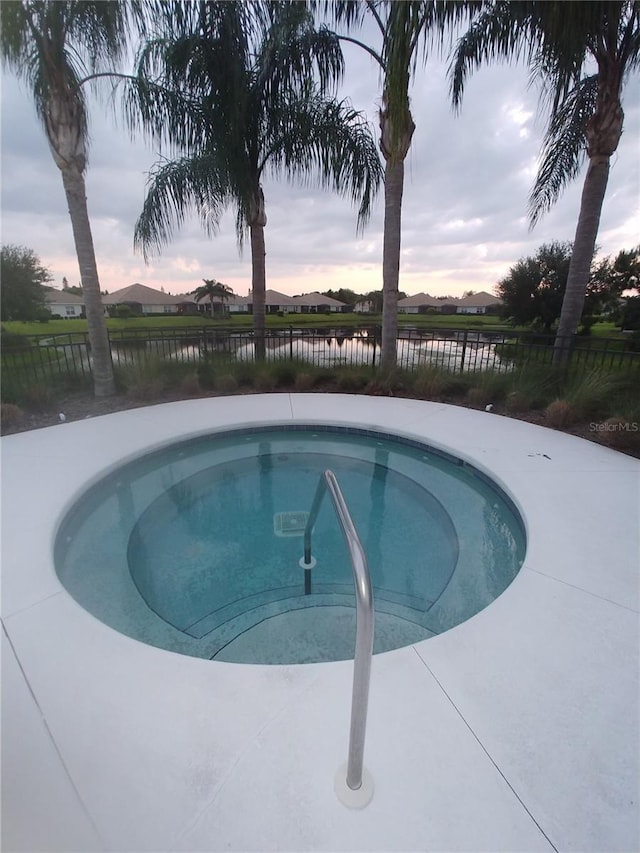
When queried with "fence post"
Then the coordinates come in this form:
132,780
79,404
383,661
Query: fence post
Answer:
290,343
375,338
464,350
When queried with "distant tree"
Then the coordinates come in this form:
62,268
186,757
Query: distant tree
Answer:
212,290
343,294
77,290
375,297
468,293
65,283
533,291
630,314
626,268
22,295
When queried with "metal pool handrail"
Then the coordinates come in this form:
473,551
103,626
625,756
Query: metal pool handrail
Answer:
364,620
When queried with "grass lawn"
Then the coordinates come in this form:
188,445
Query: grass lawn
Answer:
273,321
473,322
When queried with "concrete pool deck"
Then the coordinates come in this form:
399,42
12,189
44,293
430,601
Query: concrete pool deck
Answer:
515,731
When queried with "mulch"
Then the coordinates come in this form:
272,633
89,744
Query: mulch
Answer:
81,406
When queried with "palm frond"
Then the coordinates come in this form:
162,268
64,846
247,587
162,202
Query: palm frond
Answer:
292,51
314,140
501,31
350,13
563,148
168,117
174,189
53,46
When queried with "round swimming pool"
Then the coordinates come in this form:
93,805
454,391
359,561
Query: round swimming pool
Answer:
196,548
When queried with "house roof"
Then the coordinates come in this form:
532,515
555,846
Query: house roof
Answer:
232,299
142,294
479,300
61,297
316,298
272,297
418,300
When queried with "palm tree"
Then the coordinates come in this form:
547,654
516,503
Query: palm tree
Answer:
211,290
52,47
403,27
560,40
257,113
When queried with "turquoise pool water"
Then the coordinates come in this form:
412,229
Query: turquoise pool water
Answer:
196,548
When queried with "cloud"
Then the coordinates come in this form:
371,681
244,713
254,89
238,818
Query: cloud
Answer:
467,180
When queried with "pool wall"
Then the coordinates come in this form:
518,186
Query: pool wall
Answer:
220,587
517,730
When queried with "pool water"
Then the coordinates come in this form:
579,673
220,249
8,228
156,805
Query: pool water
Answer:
196,548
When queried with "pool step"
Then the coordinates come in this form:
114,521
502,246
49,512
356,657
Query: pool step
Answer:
222,633
314,634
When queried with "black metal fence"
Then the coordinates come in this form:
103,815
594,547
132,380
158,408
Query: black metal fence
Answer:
47,358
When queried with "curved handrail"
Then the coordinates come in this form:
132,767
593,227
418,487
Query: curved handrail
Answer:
364,619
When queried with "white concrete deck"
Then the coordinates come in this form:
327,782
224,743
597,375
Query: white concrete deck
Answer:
515,731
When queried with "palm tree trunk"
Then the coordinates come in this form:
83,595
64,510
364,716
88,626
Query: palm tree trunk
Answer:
258,287
74,187
593,192
393,189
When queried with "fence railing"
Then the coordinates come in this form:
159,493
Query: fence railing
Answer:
50,357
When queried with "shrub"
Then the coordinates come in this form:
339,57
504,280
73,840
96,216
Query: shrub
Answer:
478,396
10,415
190,386
387,384
455,384
227,383
352,380
428,383
324,376
42,315
560,414
244,373
304,381
517,402
264,381
206,375
284,374
146,379
12,340
590,393
539,385
123,312
38,397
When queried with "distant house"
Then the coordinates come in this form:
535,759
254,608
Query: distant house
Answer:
365,306
478,303
235,304
63,304
314,303
274,302
421,303
143,300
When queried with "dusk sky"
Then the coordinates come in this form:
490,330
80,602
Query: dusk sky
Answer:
467,181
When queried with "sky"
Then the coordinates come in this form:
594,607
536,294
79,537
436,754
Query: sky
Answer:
464,221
